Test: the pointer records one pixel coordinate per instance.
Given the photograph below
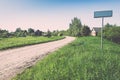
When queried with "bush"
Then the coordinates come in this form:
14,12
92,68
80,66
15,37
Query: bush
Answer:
112,33
60,34
85,31
4,34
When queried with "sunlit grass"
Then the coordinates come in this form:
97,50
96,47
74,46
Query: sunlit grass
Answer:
80,60
22,41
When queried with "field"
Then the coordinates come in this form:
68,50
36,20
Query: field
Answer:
6,43
80,60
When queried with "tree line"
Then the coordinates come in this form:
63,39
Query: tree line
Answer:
112,33
76,29
23,33
30,32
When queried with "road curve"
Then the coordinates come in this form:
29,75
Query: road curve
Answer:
14,61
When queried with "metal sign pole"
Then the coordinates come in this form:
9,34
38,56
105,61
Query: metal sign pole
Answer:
102,14
102,34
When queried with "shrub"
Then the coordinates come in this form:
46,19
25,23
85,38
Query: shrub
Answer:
112,33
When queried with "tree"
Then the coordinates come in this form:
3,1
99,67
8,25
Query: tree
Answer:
48,34
20,33
75,27
31,32
38,33
55,33
108,25
4,33
24,33
18,30
85,31
62,33
112,33
12,34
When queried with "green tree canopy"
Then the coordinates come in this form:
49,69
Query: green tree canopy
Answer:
75,27
85,31
31,32
112,32
18,30
4,33
38,33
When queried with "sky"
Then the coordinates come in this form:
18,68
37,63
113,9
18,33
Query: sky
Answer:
54,14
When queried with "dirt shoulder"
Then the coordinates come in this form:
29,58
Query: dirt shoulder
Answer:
14,61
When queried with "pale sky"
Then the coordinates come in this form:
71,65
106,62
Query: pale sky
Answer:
54,14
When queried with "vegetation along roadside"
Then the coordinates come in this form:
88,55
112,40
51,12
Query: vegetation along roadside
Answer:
6,43
80,60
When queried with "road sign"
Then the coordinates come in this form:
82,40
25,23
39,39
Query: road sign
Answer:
100,14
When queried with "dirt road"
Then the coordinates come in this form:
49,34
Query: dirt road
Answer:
14,61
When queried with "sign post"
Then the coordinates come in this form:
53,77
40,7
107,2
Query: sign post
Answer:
102,14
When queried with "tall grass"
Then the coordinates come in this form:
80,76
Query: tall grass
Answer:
6,43
80,60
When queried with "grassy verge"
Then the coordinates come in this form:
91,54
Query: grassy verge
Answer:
80,60
23,41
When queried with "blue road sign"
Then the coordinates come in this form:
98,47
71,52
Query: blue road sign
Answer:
100,14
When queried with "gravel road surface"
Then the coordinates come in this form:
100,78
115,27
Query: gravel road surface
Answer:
14,61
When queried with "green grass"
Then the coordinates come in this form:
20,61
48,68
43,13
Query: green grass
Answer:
6,43
80,60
